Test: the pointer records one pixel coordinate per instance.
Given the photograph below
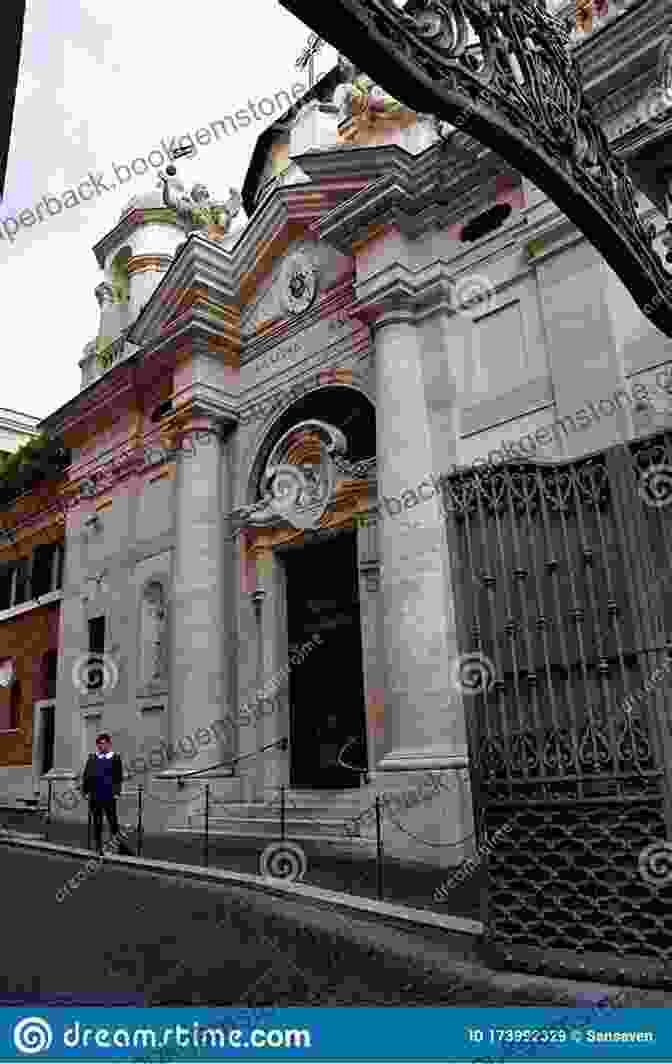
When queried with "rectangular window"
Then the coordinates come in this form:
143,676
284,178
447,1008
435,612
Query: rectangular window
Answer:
50,673
20,582
13,583
96,647
42,569
6,585
47,566
97,635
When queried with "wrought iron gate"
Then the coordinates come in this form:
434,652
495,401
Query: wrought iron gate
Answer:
563,581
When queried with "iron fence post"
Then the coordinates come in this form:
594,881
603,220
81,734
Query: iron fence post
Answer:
139,820
379,851
282,814
207,825
47,822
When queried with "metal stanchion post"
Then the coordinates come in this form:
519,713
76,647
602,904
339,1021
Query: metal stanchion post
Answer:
283,814
139,820
379,850
207,825
48,819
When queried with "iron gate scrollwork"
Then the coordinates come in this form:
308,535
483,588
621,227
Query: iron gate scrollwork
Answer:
502,71
562,580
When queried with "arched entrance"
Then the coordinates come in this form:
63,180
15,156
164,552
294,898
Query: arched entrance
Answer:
328,441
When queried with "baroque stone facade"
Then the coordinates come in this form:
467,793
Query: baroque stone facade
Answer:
398,302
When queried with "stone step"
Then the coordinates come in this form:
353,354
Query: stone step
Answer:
254,810
270,826
343,842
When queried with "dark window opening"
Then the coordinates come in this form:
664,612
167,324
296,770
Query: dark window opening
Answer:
46,569
48,734
96,650
50,666
486,223
13,583
6,586
21,589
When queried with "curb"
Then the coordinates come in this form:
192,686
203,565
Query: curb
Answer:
398,915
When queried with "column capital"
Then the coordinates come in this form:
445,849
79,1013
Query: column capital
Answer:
400,296
199,413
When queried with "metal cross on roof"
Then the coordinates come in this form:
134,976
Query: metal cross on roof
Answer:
182,153
307,58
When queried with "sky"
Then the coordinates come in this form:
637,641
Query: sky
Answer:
101,82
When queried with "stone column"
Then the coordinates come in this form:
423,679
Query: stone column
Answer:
424,715
199,687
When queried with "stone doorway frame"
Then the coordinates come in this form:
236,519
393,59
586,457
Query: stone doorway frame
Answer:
353,497
39,739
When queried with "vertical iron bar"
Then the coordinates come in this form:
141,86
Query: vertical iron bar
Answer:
550,499
88,827
379,851
283,822
140,820
206,853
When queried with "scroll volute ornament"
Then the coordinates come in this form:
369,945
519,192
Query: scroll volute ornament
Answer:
501,70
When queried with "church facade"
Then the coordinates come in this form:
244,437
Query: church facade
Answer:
258,573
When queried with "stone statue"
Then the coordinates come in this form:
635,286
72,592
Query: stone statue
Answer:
218,213
358,94
152,634
104,294
197,209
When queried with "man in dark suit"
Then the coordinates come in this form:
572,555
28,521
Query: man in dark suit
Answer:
101,782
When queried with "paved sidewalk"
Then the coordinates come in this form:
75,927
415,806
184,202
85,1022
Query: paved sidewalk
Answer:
404,883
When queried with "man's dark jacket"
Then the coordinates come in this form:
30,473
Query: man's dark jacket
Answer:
89,776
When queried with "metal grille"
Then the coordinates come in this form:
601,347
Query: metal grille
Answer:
562,581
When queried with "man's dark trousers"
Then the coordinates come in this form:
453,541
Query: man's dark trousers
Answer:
109,808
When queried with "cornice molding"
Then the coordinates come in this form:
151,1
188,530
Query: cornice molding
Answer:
397,294
204,404
132,221
141,263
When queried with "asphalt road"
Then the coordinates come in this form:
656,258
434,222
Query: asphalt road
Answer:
180,942
159,939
